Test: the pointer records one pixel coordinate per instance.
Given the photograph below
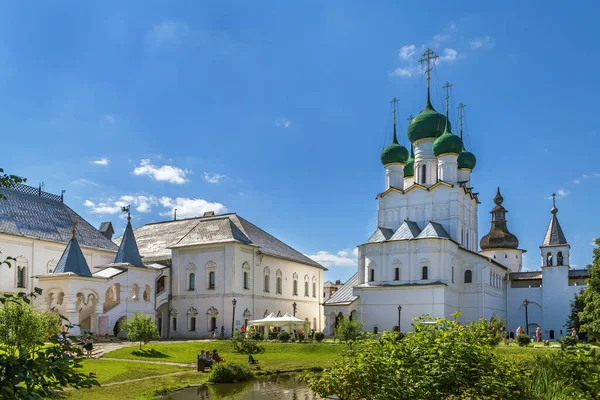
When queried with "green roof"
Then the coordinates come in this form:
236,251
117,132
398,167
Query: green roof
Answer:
394,153
466,160
409,168
447,143
428,124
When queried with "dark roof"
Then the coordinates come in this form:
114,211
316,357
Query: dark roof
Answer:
408,230
72,261
530,275
106,227
380,235
155,240
579,273
433,230
499,236
344,295
554,235
25,213
128,250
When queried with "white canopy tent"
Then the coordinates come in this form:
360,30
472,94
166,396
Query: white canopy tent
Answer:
287,321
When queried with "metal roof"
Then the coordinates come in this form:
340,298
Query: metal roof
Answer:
554,235
408,230
72,261
128,250
433,230
344,295
155,240
45,217
380,235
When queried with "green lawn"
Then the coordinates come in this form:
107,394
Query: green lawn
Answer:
108,371
277,356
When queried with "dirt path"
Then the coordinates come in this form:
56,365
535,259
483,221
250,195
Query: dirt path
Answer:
150,362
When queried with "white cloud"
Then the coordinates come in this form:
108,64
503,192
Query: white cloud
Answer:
576,181
448,55
407,51
164,173
188,208
444,36
141,203
83,181
561,193
482,42
102,161
168,33
109,118
283,123
343,258
211,177
407,72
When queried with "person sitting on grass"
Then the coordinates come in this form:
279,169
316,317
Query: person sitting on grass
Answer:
251,360
216,357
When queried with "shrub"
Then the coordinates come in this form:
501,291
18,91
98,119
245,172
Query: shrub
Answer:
348,330
254,335
140,328
229,372
244,345
284,336
319,336
300,335
546,342
523,340
569,341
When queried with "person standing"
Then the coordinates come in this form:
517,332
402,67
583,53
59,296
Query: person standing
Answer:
89,346
538,334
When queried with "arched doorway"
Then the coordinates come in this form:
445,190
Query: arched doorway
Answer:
117,328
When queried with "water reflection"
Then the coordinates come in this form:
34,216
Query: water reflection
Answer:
283,387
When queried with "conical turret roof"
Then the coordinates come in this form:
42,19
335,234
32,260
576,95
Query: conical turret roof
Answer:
554,234
72,260
128,250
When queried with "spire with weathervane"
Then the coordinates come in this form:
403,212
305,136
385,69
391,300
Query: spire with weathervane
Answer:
128,250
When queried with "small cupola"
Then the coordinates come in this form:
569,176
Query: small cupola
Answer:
395,153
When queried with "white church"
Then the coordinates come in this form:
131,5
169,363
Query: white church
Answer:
423,257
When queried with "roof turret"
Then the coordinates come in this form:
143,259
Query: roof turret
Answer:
395,152
554,234
128,250
466,159
72,260
499,237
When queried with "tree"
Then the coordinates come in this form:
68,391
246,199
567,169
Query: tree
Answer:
441,359
576,307
589,318
140,328
348,330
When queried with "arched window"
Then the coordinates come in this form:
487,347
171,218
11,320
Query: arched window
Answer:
549,259
246,284
424,273
375,330
192,323
468,276
305,288
135,292
192,282
371,275
146,294
213,324
21,277
278,283
174,324
211,280
424,173
314,289
559,258
161,284
551,334
246,275
266,284
396,274
295,289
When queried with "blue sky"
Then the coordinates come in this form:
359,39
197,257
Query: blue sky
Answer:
278,110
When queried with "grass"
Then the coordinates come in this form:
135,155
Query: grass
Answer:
277,356
109,371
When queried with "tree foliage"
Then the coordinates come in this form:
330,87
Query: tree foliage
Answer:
577,305
348,330
140,328
589,318
9,181
244,344
440,360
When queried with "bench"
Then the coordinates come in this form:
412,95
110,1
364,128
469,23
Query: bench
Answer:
202,365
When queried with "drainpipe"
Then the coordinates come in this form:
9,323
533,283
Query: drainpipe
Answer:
169,298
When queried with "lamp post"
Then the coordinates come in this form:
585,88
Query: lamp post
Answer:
399,317
233,302
295,306
526,303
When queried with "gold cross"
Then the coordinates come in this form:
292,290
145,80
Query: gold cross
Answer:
427,57
447,86
394,102
74,228
460,113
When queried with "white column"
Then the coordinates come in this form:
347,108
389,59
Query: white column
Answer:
464,175
448,168
394,176
424,156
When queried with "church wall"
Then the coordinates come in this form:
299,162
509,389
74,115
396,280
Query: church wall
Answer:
556,300
39,257
516,309
510,258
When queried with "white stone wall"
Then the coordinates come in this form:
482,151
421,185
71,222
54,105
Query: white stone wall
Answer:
39,256
229,262
510,258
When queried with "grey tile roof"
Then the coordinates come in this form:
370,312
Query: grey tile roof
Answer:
433,230
579,273
45,218
380,235
408,230
155,240
72,261
554,235
128,250
344,295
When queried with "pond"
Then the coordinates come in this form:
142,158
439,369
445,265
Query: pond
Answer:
282,387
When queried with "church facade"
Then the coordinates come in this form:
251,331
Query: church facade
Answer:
423,257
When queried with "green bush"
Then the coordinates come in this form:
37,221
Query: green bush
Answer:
523,340
319,336
569,341
229,372
244,345
284,336
348,330
254,335
300,335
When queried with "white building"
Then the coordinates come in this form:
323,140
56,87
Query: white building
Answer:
35,226
217,259
423,257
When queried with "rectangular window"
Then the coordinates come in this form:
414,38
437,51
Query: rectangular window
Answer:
425,274
246,286
174,324
371,275
192,323
211,280
396,274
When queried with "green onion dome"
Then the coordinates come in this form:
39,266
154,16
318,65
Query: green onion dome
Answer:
394,153
448,143
409,168
428,124
466,160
